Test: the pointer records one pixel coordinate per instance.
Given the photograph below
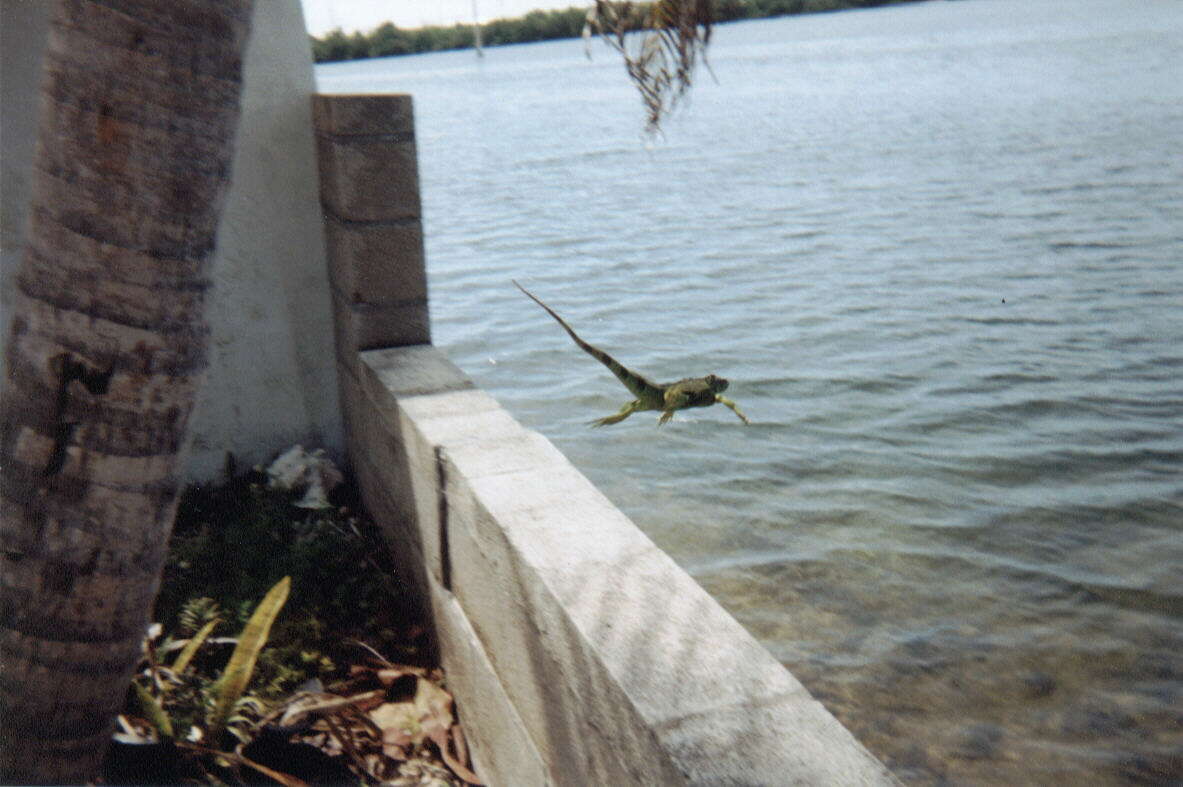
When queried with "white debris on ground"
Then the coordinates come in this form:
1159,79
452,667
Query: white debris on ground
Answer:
296,469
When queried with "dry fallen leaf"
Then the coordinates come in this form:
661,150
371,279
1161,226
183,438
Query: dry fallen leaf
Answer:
400,727
405,725
435,711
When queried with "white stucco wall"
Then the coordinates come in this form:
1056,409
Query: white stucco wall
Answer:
272,379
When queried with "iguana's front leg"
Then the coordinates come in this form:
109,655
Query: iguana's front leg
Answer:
624,412
735,409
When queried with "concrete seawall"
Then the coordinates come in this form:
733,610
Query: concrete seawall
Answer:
579,652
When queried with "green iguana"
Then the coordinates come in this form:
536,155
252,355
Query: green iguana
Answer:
666,397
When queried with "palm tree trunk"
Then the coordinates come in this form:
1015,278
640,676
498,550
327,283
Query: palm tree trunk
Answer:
108,346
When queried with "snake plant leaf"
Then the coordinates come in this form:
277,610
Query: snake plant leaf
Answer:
190,650
242,662
154,711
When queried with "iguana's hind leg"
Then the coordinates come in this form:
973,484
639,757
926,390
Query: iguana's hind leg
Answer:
674,400
625,412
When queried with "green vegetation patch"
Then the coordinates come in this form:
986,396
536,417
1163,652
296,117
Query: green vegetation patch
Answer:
286,651
234,540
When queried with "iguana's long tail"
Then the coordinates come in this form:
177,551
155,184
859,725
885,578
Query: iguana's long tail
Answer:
639,386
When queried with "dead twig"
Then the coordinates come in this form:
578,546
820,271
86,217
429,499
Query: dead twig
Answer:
285,779
347,744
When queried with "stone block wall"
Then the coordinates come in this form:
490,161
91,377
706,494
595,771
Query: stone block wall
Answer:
369,192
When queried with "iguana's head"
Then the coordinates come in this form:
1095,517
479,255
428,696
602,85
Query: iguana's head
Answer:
717,384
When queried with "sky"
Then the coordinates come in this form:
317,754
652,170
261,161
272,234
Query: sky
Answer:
323,15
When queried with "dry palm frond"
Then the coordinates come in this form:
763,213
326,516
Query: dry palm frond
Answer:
661,44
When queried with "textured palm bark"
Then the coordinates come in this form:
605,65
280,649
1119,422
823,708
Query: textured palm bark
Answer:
108,346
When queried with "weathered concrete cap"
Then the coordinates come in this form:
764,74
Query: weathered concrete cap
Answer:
363,114
414,371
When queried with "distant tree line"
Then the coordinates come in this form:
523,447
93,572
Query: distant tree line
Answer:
387,40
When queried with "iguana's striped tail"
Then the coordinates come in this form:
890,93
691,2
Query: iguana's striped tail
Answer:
638,385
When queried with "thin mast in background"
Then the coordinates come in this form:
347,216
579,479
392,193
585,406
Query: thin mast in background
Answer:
476,31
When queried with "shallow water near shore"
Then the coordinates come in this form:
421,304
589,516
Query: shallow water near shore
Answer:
938,249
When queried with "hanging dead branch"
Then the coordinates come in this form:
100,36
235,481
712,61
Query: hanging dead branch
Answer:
661,44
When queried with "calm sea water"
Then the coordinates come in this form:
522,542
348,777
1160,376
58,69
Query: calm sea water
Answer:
938,249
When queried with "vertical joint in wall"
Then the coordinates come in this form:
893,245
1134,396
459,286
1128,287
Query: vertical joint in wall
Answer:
441,476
